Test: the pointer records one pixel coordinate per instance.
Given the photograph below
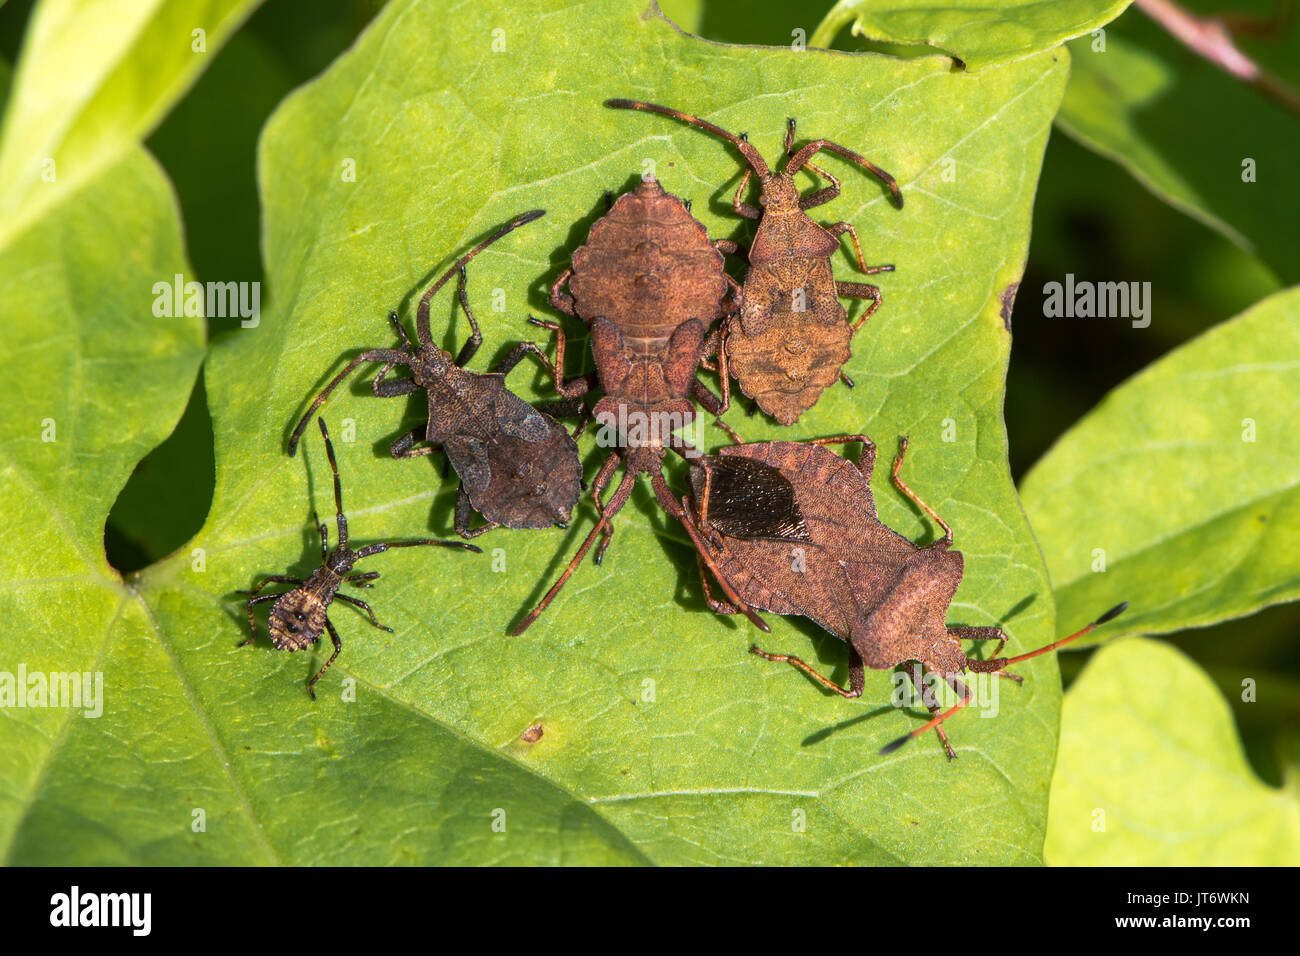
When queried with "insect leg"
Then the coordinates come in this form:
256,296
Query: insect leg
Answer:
621,494
360,580
422,312
963,633
324,531
740,207
404,446
516,355
252,623
839,229
566,408
392,389
575,387
702,554
272,578
573,407
476,337
714,605
901,486
399,328
931,704
338,647
866,459
561,300
935,721
465,516
801,158
821,196
860,290
606,517
857,679
356,602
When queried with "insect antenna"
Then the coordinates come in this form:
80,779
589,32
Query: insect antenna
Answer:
746,150
389,357
1110,615
998,664
422,311
340,519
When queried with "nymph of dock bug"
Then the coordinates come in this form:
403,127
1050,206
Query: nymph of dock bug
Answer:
650,284
518,466
753,506
791,338
299,616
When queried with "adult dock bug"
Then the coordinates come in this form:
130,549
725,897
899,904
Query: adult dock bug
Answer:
650,284
791,528
518,467
792,335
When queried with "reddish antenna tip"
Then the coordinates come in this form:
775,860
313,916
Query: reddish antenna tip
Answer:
528,217
1110,615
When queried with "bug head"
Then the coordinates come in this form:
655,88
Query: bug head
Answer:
778,191
296,620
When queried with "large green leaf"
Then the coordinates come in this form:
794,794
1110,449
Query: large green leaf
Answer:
1151,771
979,34
1187,478
663,740
1141,99
92,79
90,380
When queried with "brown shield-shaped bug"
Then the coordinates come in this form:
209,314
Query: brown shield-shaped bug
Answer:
792,336
815,547
299,616
650,284
518,467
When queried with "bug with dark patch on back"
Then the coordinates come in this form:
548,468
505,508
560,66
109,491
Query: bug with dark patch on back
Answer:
650,284
518,467
791,528
791,338
298,617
